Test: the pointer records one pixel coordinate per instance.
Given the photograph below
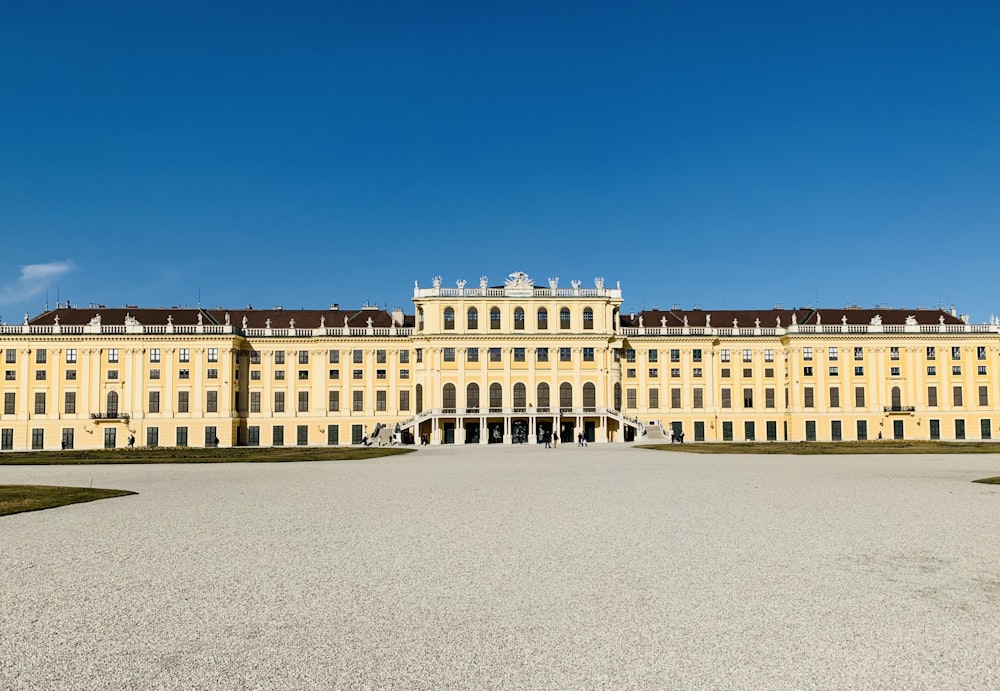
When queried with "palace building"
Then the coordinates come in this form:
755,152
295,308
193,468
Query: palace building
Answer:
509,364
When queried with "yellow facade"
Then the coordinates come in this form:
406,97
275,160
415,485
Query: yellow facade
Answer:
506,363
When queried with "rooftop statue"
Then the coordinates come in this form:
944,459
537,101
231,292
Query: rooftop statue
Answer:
876,320
911,320
460,283
244,321
322,321
437,281
843,319
267,323
599,283
554,283
819,319
518,279
483,282
227,319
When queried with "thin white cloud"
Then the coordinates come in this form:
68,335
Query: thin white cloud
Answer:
33,281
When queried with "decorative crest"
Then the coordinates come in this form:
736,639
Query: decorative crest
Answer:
518,279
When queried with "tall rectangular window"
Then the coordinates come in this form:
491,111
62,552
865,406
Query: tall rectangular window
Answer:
698,398
768,398
69,402
182,436
932,399
302,435
404,401
154,402
253,435
183,401
834,396
333,405
71,356
862,430
984,396
727,398
112,355
303,402
37,438
184,355
279,401
358,403
278,435
9,400
152,436
749,432
748,398
332,435
39,403
154,355
211,401
957,396
380,400
334,357
213,354
807,397
675,397
630,398
7,439
255,401
835,430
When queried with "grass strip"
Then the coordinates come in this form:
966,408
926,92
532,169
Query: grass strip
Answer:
21,498
242,454
813,448
989,481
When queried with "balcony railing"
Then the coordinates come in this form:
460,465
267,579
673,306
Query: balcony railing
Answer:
110,417
899,409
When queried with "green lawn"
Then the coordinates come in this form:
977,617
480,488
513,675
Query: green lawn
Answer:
20,498
187,454
812,448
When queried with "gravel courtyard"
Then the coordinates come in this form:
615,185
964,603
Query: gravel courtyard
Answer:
468,568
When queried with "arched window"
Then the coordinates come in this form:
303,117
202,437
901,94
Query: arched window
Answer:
496,396
112,410
448,397
472,396
543,318
494,317
519,319
565,395
589,395
897,399
520,396
618,396
588,318
543,395
419,395
473,322
564,318
449,319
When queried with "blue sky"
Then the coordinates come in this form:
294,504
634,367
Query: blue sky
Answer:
712,154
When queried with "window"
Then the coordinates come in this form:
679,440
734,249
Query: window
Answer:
727,398
834,370
747,372
419,354
357,374
494,355
543,396
749,432
472,354
519,355
448,354
39,403
981,369
9,399
696,372
768,355
932,398
859,353
69,402
357,357
183,355
255,357
894,353
253,435
112,374
10,356
301,435
255,374
279,375
7,438
675,355
333,404
449,319
334,357
653,355
931,370
956,394
542,354
112,355
747,355
810,430
472,319
832,353
630,373
894,371
9,375
725,373
980,352
862,430
154,402
565,354
956,370
279,401
564,318
380,400
214,374
675,397
496,396
520,396
807,397
41,356
211,401
748,398
956,352
807,353
543,319
112,404
630,397
807,371
769,398
590,396
984,429
404,357
71,356
494,318
183,401
654,372
358,401
630,355
834,397
40,375
213,354
37,438
404,401
698,398
769,372
724,355
859,371
931,352
519,319
727,431
588,354
959,429
835,430
278,435
380,374
255,401
588,318
984,396
696,355
565,395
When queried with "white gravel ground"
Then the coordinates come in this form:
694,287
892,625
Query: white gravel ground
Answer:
469,568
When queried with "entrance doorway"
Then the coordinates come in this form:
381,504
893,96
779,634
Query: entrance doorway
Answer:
496,432
449,433
472,433
567,433
519,431
589,431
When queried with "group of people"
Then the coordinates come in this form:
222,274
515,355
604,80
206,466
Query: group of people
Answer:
675,438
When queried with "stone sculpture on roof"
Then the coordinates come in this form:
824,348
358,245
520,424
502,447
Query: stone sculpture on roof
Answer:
518,279
876,320
911,320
